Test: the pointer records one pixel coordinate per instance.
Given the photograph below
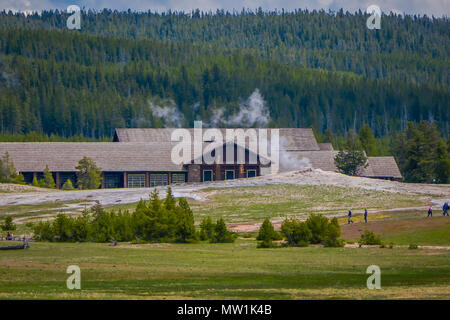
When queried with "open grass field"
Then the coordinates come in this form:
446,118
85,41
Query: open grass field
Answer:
221,271
240,270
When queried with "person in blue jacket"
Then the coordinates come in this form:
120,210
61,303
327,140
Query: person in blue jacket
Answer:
350,217
365,215
430,212
445,209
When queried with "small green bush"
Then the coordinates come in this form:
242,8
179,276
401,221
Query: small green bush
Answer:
318,225
369,238
8,225
413,246
266,244
221,233
331,238
68,185
206,229
297,233
247,235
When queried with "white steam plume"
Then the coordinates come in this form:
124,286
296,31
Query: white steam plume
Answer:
252,112
289,160
170,114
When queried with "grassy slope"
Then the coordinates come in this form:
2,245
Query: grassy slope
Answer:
257,203
240,271
401,228
221,271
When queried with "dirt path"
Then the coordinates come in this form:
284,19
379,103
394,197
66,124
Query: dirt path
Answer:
354,245
254,226
196,190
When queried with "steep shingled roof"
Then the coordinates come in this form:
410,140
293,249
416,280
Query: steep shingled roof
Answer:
384,167
64,156
378,167
298,139
326,146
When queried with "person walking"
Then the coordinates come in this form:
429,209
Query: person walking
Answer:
430,212
365,215
445,209
350,217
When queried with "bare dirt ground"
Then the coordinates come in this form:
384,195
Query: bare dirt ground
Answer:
195,191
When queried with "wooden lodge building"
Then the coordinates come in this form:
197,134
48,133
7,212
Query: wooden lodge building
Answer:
142,158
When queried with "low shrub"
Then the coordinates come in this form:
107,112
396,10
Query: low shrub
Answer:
296,232
247,235
413,246
8,224
316,229
332,235
318,226
369,238
222,234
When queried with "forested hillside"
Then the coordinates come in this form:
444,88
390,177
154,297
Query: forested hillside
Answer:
149,70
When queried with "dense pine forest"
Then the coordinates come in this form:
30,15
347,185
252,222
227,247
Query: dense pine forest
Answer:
126,69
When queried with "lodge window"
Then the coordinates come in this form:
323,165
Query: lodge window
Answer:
251,173
136,181
159,179
207,175
178,178
229,174
113,180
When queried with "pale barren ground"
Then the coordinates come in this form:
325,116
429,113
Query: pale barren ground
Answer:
311,177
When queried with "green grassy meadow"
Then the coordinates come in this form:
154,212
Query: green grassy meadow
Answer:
221,271
240,270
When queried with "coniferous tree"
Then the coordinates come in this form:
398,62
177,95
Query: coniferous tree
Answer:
422,154
68,185
221,233
352,159
88,174
35,182
367,140
266,234
8,172
47,181
206,229
8,224
185,231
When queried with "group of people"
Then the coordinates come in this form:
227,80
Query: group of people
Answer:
350,216
445,209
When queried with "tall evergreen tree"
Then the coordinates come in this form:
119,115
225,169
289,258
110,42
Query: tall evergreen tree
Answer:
422,154
47,181
351,160
367,140
88,174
